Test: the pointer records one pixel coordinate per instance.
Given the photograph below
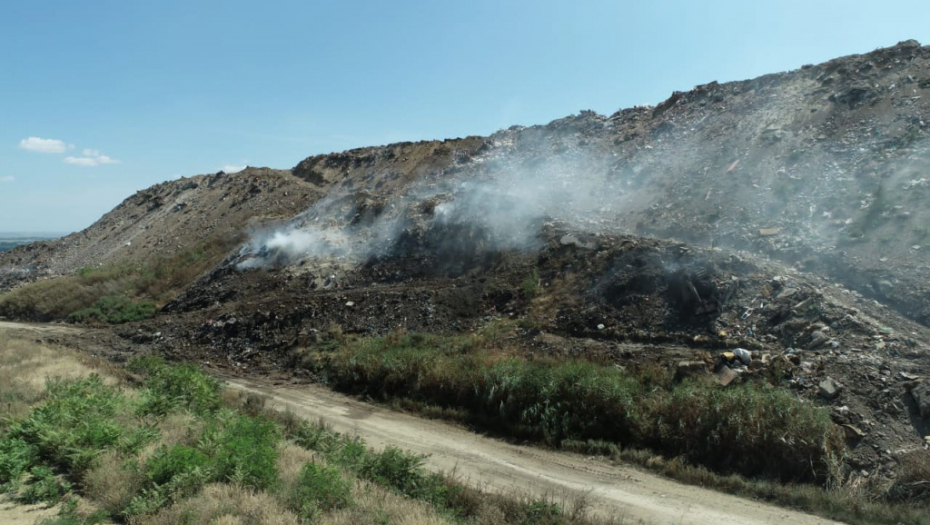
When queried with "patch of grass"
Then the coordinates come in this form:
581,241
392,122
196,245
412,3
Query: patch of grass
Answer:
184,463
114,309
711,434
530,284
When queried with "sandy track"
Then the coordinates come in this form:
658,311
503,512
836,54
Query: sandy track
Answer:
51,329
626,493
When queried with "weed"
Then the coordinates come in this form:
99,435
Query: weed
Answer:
78,421
244,449
181,386
530,284
319,488
43,487
114,309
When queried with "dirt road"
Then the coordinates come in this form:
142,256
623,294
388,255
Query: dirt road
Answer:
628,494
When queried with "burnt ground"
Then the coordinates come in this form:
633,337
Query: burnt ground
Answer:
627,300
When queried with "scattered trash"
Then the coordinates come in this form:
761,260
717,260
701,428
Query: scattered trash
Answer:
744,355
726,375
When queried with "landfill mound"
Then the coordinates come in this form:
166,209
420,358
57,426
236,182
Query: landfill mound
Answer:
770,229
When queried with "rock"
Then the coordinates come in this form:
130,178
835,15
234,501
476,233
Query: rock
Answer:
786,294
829,388
921,395
726,375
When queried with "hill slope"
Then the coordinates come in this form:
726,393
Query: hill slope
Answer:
819,175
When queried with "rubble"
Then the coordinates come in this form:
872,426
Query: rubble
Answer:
829,388
921,395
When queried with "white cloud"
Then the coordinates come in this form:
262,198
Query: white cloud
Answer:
44,145
232,169
8,179
92,158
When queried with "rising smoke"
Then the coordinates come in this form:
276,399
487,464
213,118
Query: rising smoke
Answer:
496,206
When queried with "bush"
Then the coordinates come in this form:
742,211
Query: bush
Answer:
319,488
16,458
180,386
244,449
530,284
43,487
114,309
394,468
77,421
175,461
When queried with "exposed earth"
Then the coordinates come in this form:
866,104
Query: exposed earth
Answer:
784,216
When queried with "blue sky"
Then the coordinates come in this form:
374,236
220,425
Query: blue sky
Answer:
127,94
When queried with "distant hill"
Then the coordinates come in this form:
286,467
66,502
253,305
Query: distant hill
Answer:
10,240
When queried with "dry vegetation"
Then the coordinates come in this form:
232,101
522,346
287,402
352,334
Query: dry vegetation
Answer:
113,294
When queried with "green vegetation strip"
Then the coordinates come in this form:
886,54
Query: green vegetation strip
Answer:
756,440
91,438
752,429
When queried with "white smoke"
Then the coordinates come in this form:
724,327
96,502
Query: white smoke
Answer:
505,200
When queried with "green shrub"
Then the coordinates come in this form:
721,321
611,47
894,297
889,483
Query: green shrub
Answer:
319,488
244,450
394,468
114,309
76,422
16,458
167,463
43,487
530,284
183,386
